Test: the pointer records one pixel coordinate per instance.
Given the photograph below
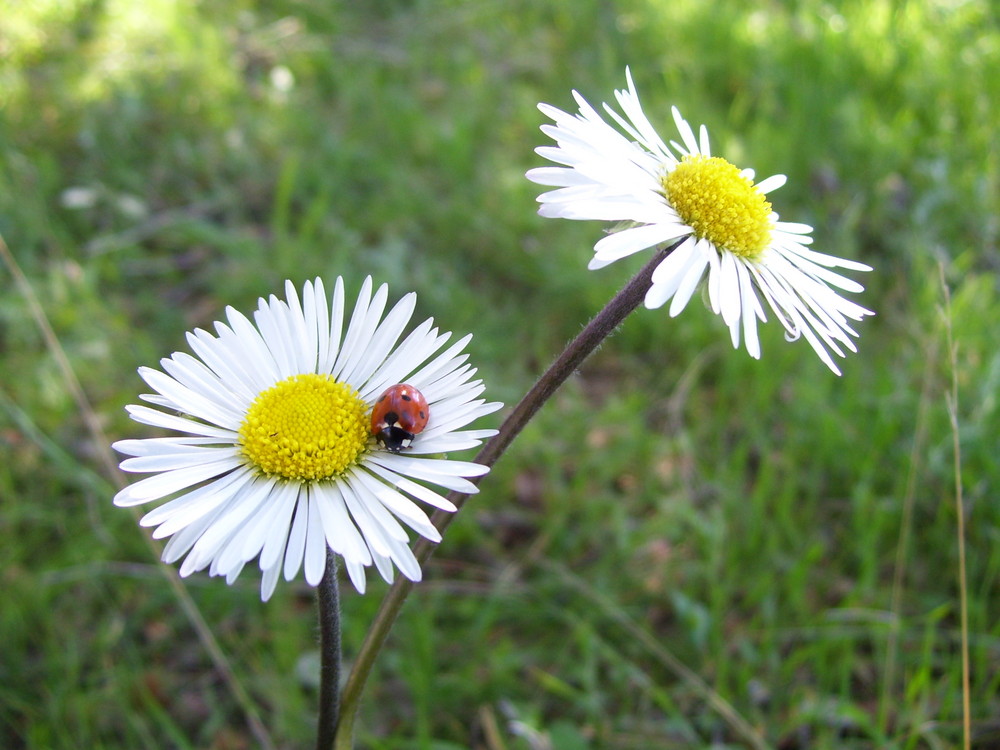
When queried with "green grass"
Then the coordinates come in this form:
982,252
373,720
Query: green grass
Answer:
155,167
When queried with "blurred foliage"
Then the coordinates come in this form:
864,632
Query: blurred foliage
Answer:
161,160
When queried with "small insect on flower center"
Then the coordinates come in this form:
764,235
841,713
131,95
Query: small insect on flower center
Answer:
720,204
306,428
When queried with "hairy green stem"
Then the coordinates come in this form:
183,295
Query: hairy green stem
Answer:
328,601
602,326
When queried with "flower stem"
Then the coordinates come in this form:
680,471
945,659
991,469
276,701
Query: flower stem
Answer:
602,326
328,601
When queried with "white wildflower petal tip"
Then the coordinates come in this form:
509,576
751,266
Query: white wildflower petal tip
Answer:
663,191
273,453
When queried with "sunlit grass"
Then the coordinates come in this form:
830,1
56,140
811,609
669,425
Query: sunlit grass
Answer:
744,514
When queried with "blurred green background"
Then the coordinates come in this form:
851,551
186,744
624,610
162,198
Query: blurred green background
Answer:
788,535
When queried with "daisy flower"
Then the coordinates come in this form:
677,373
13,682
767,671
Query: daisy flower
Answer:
720,217
276,457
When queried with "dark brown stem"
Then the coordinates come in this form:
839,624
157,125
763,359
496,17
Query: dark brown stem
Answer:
602,326
328,600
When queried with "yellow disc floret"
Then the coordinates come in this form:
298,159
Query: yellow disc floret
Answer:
305,428
720,205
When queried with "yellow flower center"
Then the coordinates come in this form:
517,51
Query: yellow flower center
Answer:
720,205
305,428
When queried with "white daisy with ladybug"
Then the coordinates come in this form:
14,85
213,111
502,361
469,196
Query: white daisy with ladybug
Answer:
306,428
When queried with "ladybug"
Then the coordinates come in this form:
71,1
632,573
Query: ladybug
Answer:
398,416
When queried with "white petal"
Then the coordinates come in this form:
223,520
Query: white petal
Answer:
692,276
356,572
175,458
772,183
341,533
241,357
411,488
795,228
729,289
715,282
258,358
268,582
672,268
302,327
169,482
749,304
213,353
173,516
401,506
194,374
270,538
628,241
367,312
233,573
453,441
436,470
182,542
372,533
327,363
271,319
162,446
687,135
442,363
816,264
380,343
668,275
315,547
703,144
415,348
447,419
145,415
555,176
296,546
389,526
190,402
383,563
246,502
404,558
316,308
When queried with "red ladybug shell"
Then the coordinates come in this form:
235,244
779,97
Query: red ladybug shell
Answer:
398,416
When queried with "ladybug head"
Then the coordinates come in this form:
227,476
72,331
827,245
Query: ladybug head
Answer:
394,438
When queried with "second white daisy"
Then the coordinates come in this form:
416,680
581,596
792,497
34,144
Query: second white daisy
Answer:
721,218
277,459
